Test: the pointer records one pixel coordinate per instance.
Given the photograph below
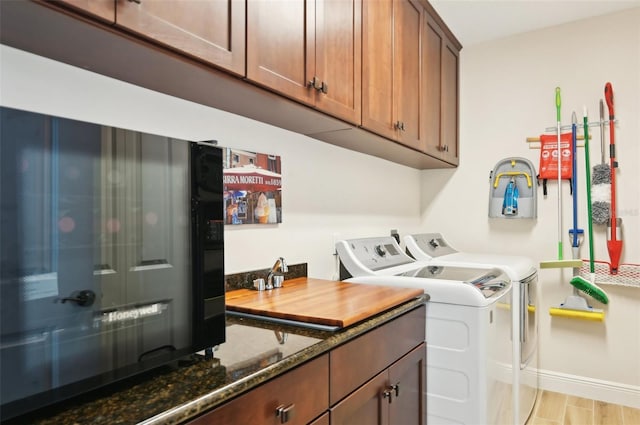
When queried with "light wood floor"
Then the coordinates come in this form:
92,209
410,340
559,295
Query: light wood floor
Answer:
560,409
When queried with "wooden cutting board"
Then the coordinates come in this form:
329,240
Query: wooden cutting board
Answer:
318,301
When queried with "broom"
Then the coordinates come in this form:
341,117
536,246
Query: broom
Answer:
589,287
601,189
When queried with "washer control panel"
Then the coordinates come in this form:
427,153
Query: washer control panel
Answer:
374,253
432,244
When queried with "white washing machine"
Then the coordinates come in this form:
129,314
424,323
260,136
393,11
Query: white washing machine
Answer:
468,328
432,248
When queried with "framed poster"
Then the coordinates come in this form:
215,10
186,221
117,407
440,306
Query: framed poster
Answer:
252,187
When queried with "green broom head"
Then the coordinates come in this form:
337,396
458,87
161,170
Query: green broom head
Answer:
590,289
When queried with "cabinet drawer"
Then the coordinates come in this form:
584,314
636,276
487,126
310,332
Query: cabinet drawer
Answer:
359,360
303,394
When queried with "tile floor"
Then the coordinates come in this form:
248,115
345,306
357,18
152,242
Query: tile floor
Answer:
560,409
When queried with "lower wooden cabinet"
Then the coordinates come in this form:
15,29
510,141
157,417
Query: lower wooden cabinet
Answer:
394,396
297,398
376,378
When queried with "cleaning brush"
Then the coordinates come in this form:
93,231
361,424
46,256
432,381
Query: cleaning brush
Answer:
590,289
601,189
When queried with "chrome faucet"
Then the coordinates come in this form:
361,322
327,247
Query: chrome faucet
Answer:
280,264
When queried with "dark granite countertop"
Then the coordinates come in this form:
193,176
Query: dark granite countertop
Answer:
255,351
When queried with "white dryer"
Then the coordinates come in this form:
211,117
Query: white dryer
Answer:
468,328
432,248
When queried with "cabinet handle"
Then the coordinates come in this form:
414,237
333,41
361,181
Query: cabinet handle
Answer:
135,1
443,148
388,393
399,125
317,84
314,83
285,412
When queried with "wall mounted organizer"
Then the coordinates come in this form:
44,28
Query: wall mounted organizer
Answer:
513,189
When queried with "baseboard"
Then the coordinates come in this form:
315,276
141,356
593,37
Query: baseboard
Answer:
595,389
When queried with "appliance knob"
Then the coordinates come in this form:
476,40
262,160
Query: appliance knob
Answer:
380,250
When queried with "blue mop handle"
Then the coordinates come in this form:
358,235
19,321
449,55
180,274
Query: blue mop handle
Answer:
574,181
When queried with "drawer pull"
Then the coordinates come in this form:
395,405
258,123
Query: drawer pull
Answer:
388,393
285,412
314,83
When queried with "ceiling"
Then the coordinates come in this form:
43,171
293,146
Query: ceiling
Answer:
477,21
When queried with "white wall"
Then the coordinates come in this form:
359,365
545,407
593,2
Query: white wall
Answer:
507,94
326,190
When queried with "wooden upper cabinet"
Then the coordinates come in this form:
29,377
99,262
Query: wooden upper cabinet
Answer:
103,9
407,67
309,51
391,103
449,139
209,30
440,97
338,62
280,46
377,67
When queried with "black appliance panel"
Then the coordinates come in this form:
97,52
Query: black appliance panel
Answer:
103,273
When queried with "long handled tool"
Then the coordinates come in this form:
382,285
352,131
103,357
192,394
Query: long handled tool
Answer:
575,305
601,189
560,262
589,287
575,232
614,246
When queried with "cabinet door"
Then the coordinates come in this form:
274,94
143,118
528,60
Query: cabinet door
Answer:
440,95
407,378
210,30
407,18
433,41
280,46
377,67
391,70
365,405
449,134
338,34
103,9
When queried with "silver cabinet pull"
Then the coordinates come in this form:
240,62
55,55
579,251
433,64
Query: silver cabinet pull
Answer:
317,84
135,1
285,412
389,392
399,125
